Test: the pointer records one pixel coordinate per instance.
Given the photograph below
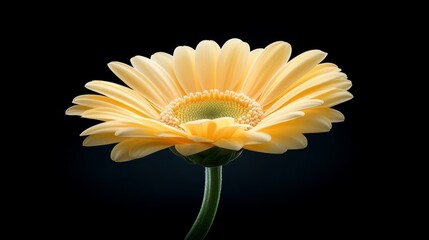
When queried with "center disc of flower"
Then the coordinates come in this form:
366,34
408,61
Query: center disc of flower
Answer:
210,105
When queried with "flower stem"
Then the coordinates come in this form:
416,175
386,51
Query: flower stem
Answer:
208,209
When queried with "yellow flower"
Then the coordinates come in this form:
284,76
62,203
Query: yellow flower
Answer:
228,97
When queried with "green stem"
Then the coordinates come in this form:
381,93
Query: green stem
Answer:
208,209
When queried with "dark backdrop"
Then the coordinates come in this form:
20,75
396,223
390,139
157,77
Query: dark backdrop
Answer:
327,189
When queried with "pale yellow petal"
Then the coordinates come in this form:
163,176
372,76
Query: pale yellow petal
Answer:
289,112
331,114
144,148
192,148
76,110
310,87
148,133
253,56
108,114
184,67
232,63
206,56
121,151
335,98
266,65
282,139
166,61
229,144
289,73
123,95
151,89
158,78
254,137
101,139
319,69
131,149
107,127
208,128
96,101
312,122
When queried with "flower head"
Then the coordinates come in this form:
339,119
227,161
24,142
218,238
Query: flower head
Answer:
214,99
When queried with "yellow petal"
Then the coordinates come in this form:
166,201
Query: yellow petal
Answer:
143,148
253,56
107,127
166,61
148,133
319,69
208,128
144,85
101,139
206,56
96,101
158,78
123,95
184,67
192,148
266,65
229,144
337,97
312,87
288,112
76,110
131,149
281,140
232,63
121,153
331,114
108,114
289,73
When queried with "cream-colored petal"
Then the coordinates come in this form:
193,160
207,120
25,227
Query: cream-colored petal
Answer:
76,110
331,114
97,101
279,144
289,112
151,89
319,69
107,127
229,144
253,56
268,63
101,139
206,127
279,118
152,134
131,149
158,77
135,132
289,73
184,67
123,95
232,63
192,148
311,87
206,56
108,114
312,122
253,137
282,139
166,61
121,151
143,148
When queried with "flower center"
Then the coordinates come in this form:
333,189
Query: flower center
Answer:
210,105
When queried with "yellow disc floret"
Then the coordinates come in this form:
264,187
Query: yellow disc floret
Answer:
210,105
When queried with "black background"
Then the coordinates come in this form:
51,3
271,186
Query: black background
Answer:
331,188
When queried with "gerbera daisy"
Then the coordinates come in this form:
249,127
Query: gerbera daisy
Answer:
209,103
